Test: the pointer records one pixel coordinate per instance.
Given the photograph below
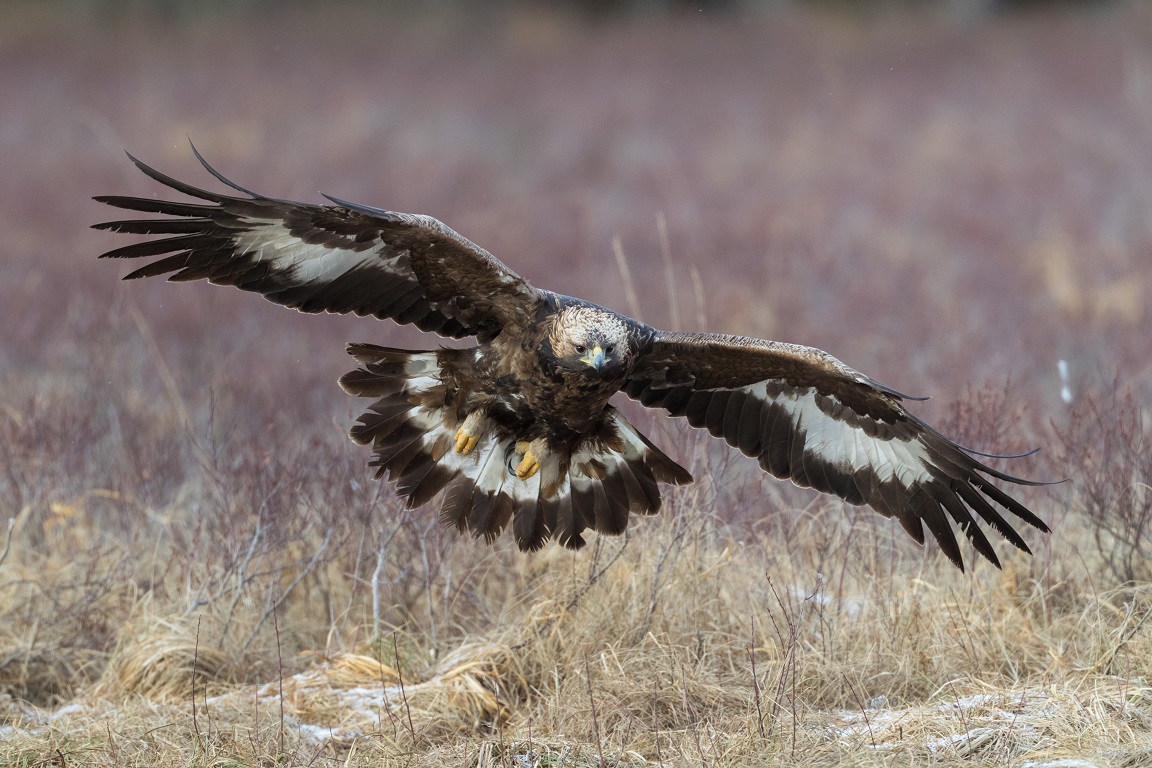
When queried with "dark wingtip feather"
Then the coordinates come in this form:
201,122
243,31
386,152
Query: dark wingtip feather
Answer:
152,205
150,248
228,182
893,392
1012,506
370,210
219,176
983,467
168,181
155,226
178,261
968,526
931,513
975,452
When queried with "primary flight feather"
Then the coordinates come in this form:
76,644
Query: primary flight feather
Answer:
518,429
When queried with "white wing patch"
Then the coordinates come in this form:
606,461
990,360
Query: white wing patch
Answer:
305,262
845,446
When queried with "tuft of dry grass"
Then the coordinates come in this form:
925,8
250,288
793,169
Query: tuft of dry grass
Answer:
470,690
159,661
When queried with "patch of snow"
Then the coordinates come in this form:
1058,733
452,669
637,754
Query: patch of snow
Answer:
968,702
316,733
850,606
67,709
369,697
984,718
967,741
356,703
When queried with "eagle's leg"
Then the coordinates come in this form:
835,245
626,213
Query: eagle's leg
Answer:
470,432
533,453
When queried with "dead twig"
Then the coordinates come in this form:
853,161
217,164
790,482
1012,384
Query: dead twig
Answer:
271,610
279,673
403,693
756,682
595,717
195,665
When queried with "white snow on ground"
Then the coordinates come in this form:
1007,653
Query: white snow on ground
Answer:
317,734
64,711
849,605
1020,726
357,705
1013,725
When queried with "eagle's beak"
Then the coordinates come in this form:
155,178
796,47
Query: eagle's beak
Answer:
595,358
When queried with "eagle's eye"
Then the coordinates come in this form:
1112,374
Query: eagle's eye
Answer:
580,349
610,348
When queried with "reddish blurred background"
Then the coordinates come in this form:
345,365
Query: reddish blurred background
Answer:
945,196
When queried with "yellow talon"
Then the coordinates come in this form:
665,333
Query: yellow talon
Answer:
469,434
529,465
465,442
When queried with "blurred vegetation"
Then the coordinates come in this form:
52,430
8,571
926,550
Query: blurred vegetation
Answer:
593,9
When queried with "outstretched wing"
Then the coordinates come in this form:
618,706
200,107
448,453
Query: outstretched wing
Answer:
805,416
327,258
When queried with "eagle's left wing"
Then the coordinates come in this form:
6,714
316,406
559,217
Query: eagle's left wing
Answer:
807,417
327,258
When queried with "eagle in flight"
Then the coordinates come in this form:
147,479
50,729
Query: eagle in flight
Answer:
518,429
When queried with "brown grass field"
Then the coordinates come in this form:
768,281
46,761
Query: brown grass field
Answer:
199,571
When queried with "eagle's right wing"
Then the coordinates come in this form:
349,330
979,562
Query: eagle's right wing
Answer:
327,258
805,416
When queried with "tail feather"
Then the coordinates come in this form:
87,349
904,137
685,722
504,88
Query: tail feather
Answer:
489,504
530,525
457,504
420,483
379,421
561,518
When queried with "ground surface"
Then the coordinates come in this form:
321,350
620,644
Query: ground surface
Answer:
199,570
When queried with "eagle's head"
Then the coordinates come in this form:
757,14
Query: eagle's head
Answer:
591,340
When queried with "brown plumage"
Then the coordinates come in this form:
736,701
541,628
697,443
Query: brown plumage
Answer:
518,429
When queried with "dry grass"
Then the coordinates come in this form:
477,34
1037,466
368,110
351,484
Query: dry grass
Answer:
198,571
702,658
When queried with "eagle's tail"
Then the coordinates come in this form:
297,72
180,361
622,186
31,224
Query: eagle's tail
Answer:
610,475
607,477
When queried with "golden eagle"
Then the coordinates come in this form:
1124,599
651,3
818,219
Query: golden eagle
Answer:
519,428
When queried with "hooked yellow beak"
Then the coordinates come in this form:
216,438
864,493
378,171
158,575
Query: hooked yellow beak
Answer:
595,357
